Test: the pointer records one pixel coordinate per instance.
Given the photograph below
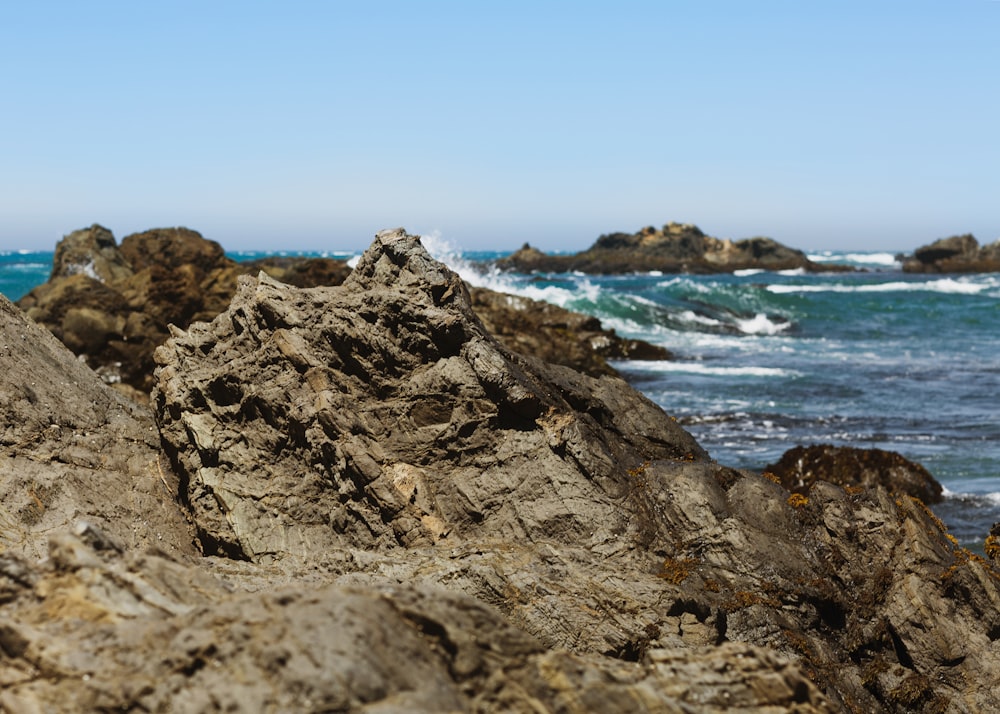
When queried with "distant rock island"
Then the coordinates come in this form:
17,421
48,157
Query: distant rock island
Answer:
674,248
957,254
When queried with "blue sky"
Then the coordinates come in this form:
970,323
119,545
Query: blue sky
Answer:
311,125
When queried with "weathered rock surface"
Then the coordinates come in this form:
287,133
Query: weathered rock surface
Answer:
800,468
675,248
371,414
71,449
957,254
95,630
374,435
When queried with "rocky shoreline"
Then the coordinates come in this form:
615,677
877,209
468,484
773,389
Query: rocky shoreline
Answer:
356,498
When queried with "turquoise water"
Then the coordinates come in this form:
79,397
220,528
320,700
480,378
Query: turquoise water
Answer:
766,361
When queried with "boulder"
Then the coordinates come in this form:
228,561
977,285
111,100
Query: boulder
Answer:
957,254
801,467
674,248
375,435
92,252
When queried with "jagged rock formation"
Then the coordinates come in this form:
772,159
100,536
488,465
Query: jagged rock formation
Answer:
957,254
675,248
380,405
375,434
801,467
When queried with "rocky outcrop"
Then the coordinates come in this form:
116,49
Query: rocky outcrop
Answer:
957,254
800,468
375,434
113,304
675,248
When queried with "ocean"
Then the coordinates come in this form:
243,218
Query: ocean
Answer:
767,361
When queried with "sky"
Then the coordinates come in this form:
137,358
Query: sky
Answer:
825,124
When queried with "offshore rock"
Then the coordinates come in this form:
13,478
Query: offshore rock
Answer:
113,304
374,435
801,467
674,248
73,450
957,254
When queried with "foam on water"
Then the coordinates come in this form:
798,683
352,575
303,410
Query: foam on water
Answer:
701,368
960,286
761,324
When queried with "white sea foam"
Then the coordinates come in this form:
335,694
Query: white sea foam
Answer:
702,368
960,286
694,318
761,324
748,271
793,271
828,256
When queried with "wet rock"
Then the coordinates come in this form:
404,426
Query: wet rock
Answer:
956,254
801,467
674,248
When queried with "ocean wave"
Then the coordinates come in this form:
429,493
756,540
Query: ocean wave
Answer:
960,286
701,368
887,260
990,498
761,324
748,271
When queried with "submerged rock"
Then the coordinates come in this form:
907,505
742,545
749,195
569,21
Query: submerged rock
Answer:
957,254
674,248
801,467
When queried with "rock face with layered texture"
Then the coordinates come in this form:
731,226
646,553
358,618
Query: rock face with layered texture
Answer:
371,414
374,434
